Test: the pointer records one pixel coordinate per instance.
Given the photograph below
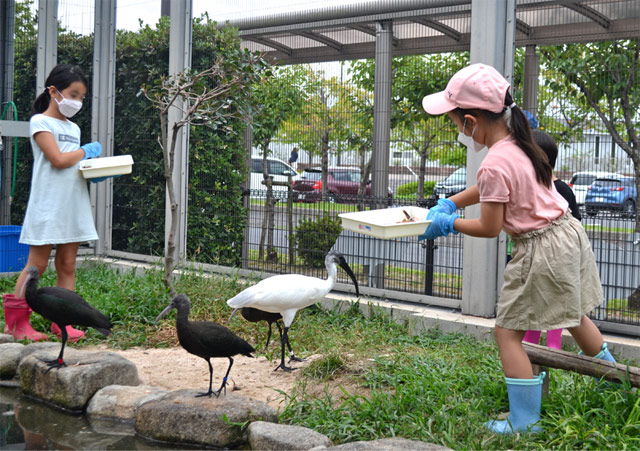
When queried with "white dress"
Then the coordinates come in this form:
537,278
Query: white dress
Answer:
59,209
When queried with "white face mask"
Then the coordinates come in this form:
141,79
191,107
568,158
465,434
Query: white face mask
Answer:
68,107
468,141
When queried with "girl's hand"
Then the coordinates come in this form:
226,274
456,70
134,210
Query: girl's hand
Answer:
444,206
91,150
441,225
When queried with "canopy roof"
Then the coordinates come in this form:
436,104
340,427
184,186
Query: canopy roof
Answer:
428,26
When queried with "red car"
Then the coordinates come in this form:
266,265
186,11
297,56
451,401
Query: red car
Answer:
342,185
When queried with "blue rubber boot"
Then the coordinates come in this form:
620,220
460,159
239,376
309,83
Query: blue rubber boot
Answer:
604,354
525,396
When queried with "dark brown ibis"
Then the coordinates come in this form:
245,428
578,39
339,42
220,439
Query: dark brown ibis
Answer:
287,293
206,339
63,307
253,315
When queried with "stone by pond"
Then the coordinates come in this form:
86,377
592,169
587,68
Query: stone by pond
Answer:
121,414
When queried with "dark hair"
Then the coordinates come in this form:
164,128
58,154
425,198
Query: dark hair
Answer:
521,132
547,144
61,77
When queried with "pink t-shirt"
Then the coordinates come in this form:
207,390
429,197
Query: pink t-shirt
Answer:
506,175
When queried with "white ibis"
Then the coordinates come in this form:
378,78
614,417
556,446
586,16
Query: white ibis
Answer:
206,339
286,294
63,307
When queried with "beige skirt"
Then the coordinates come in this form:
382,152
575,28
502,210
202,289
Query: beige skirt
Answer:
552,279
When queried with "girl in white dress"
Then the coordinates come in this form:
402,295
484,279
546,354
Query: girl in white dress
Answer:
59,211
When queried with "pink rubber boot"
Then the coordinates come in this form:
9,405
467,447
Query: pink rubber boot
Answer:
16,317
73,334
532,336
554,338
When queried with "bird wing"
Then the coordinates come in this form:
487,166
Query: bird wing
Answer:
209,339
65,307
282,292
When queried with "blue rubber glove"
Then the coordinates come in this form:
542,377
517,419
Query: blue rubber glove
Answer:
91,150
441,225
444,206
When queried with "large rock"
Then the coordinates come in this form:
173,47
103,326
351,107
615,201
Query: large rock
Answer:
387,444
180,417
6,338
9,359
270,436
44,346
72,386
120,402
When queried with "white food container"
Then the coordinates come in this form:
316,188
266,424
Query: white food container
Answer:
106,166
387,222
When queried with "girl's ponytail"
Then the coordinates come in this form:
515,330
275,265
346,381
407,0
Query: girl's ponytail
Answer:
41,103
521,131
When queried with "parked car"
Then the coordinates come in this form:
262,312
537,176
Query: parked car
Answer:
342,185
617,194
580,181
456,182
278,170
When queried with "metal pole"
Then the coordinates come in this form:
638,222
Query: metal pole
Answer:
492,42
382,111
531,73
47,55
179,59
102,114
7,19
247,138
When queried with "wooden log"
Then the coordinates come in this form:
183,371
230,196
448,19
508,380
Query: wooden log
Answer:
555,358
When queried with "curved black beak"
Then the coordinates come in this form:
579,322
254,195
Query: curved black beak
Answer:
344,265
164,312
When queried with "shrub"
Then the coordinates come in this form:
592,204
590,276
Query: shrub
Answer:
314,238
412,188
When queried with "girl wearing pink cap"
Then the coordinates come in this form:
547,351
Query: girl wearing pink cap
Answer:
552,280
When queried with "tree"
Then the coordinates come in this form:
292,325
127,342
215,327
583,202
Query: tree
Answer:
202,98
278,97
321,122
413,78
602,80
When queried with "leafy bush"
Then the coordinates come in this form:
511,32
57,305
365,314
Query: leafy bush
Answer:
412,188
315,238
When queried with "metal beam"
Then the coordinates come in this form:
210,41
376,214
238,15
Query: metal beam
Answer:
371,31
103,114
47,54
321,39
589,13
523,28
382,110
440,27
179,59
271,43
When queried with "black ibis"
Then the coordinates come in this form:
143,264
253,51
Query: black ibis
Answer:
286,294
63,307
206,339
253,315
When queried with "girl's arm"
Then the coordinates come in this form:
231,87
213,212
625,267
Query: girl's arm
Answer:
58,160
488,225
469,196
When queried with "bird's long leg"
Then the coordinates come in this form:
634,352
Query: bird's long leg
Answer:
59,362
210,392
269,335
291,354
224,381
284,339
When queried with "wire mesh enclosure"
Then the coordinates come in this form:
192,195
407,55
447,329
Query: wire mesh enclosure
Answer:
575,70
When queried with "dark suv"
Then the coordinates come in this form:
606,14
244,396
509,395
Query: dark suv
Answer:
456,182
342,185
614,194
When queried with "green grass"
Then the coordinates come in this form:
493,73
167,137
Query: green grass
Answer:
601,228
434,387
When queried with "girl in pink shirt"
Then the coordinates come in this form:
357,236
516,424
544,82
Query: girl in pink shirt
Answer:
552,280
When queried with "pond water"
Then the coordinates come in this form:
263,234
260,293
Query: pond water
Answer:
28,424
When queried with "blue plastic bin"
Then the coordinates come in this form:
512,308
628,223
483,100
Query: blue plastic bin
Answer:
13,255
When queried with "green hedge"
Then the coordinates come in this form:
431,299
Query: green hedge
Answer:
411,188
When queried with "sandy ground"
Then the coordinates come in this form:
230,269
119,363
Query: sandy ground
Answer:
175,368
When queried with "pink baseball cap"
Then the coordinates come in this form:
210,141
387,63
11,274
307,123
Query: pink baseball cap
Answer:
476,86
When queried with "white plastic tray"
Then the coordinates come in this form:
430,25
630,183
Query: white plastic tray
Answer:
106,166
387,222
